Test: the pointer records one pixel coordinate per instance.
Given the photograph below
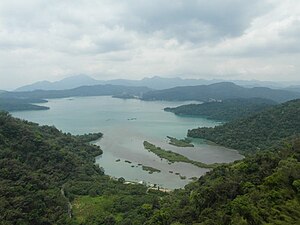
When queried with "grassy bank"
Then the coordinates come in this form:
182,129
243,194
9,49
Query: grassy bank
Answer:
175,157
151,169
180,143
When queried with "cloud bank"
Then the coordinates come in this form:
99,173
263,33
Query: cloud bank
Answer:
228,39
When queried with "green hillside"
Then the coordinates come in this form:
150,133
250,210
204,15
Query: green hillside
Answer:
263,189
226,110
258,131
43,170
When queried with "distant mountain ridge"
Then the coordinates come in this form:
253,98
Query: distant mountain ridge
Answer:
95,90
67,83
219,91
155,82
295,88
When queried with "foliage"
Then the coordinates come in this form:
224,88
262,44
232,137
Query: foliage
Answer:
174,157
259,131
43,170
180,143
89,137
260,189
36,161
226,110
150,169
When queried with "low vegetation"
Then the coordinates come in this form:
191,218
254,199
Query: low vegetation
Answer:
173,156
150,169
180,143
86,138
261,189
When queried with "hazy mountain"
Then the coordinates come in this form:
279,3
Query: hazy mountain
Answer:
81,80
219,91
295,88
155,82
67,83
96,90
160,82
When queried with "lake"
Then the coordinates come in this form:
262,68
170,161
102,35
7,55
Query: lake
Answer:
126,124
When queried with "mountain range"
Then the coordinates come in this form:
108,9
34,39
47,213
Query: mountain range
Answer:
95,90
295,88
155,82
219,91
67,83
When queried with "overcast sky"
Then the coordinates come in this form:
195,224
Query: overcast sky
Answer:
108,39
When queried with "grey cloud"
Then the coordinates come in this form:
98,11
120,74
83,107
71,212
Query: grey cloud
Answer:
195,20
135,38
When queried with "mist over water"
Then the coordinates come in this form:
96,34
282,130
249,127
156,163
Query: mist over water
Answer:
126,124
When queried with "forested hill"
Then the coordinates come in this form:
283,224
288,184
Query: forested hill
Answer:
42,170
263,189
35,163
17,104
259,131
225,110
95,90
219,91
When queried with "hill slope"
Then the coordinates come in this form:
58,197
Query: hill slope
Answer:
43,170
96,90
16,104
226,110
35,163
263,189
219,91
259,131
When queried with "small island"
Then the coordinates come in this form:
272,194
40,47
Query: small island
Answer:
175,157
150,169
180,143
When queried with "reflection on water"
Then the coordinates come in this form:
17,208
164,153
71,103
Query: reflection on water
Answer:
126,124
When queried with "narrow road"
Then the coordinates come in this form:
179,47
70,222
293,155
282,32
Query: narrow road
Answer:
62,191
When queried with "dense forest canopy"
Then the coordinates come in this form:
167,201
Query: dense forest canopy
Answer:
255,132
225,110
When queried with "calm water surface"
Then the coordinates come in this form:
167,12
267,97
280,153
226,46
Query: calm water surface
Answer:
126,124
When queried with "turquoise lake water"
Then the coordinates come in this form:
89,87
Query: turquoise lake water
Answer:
125,125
